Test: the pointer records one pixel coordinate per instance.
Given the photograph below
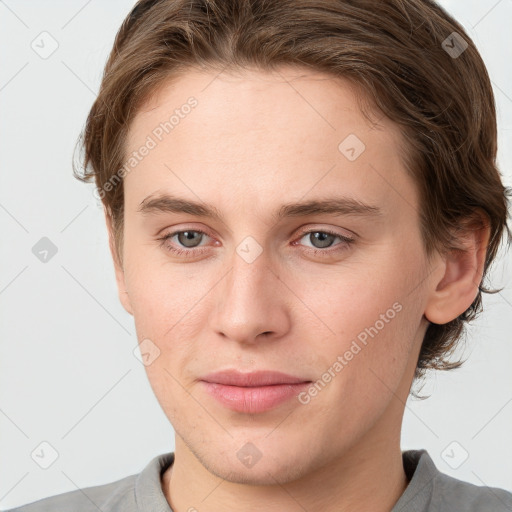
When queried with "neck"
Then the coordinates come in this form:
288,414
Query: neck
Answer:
369,476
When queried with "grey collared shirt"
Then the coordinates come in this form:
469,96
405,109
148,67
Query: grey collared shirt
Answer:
429,490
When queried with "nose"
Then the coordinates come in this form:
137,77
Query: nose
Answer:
251,302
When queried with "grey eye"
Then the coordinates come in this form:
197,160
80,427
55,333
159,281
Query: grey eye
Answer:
189,238
321,239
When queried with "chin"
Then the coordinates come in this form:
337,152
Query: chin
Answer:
268,470
269,475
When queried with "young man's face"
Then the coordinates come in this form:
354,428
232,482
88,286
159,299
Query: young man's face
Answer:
251,294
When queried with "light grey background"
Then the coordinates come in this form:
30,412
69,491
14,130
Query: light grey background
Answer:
68,375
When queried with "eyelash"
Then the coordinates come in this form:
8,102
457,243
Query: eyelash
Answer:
317,252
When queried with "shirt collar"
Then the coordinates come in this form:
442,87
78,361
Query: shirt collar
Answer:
148,485
418,493
418,465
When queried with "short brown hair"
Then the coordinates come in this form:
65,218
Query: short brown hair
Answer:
397,52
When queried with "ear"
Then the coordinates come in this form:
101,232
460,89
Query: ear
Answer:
463,270
119,270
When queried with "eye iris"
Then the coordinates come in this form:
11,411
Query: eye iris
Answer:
321,237
186,236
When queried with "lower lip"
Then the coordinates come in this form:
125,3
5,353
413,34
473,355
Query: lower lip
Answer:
252,400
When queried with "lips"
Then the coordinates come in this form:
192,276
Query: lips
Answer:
255,392
253,379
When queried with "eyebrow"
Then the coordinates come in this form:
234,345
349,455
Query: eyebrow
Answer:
166,203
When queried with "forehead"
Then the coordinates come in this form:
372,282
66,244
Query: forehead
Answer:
301,101
254,131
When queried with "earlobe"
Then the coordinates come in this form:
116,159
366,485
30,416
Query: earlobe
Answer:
125,301
454,293
123,294
124,298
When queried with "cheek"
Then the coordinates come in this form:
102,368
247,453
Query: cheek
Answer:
373,313
167,310
162,294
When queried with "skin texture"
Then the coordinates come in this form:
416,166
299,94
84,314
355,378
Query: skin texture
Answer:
255,141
